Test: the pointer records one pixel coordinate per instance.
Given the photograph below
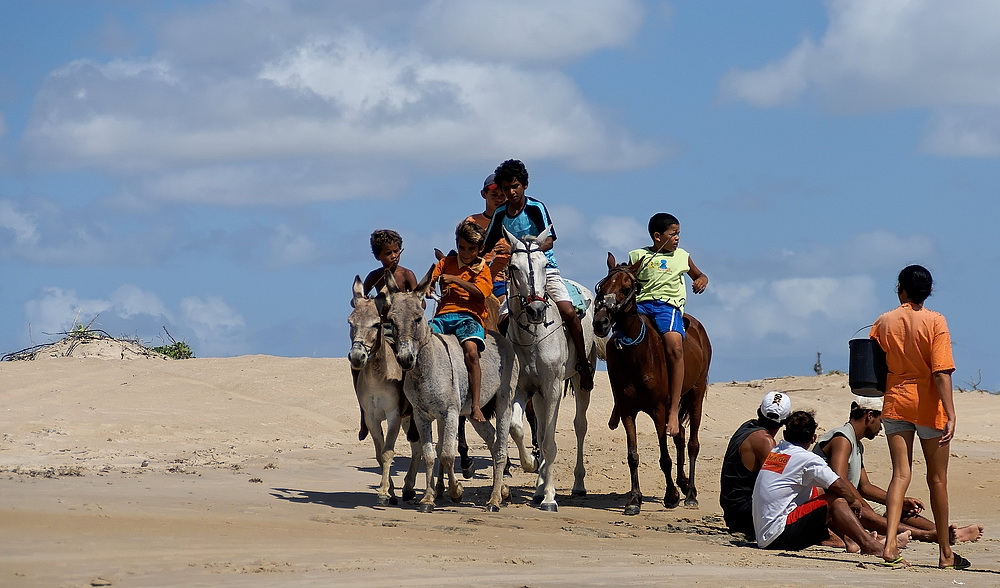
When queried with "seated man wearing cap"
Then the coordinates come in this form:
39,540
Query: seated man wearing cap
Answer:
748,448
843,451
785,514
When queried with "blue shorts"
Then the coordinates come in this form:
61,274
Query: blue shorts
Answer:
461,324
666,317
500,288
893,426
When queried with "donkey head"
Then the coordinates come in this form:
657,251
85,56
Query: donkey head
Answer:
405,311
365,324
526,273
614,294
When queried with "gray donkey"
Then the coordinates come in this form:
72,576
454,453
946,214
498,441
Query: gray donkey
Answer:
379,386
437,387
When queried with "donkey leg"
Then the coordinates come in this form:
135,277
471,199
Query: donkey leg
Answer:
488,434
671,498
465,462
426,503
411,473
388,454
378,440
634,504
580,426
448,430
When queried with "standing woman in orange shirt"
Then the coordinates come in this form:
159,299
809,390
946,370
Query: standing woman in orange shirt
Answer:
918,402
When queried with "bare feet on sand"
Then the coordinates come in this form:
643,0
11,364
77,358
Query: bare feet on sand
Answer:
965,534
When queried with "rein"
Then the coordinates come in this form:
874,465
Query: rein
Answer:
517,310
618,310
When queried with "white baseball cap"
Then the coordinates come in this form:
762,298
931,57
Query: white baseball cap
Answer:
776,406
868,402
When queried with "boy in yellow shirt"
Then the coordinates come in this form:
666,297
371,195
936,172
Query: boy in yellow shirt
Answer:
663,295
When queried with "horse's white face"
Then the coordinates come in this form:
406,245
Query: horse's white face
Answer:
365,324
526,272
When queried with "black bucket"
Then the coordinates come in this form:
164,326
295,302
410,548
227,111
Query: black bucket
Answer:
867,371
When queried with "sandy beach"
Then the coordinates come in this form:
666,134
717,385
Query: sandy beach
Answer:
247,471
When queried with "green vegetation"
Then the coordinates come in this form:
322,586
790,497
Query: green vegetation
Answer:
177,350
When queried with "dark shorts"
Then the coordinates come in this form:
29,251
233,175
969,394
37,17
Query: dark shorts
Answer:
461,324
740,521
666,317
500,288
804,526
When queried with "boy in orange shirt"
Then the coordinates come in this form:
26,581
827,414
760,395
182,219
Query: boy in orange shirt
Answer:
465,281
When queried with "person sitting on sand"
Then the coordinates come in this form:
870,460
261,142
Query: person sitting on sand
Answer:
747,450
465,283
843,451
786,516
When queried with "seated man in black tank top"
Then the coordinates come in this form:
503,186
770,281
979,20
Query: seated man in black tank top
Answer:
747,450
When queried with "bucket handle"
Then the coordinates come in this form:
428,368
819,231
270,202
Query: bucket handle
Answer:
861,329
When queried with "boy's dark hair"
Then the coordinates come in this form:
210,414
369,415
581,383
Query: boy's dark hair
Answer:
659,222
470,232
800,427
510,170
382,237
916,280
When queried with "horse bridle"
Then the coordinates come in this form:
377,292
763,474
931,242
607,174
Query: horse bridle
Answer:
522,300
610,304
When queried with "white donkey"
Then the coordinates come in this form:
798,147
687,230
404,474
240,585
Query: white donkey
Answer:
438,388
547,358
379,387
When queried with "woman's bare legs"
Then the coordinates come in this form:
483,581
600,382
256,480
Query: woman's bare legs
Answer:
901,454
936,456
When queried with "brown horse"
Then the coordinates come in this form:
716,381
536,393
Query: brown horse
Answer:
637,368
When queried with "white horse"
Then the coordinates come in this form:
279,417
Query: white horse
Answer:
548,359
437,386
379,386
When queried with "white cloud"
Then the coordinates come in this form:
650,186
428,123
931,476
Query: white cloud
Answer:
329,113
891,55
220,328
525,30
58,310
620,234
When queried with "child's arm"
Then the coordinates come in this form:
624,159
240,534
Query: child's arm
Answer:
475,292
700,279
373,279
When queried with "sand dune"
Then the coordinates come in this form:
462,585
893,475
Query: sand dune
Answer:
247,471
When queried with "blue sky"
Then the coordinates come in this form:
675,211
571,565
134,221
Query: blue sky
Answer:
217,167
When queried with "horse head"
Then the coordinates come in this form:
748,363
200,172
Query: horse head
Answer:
366,327
526,275
405,311
615,294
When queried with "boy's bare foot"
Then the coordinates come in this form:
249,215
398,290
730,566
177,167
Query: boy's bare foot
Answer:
964,534
477,415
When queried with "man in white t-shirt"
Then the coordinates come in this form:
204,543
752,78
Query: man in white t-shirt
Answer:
786,514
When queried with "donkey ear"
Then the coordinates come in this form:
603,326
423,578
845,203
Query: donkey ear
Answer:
611,260
382,303
543,235
359,291
424,286
389,282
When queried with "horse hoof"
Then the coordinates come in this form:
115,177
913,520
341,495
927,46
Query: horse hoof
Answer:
579,493
468,471
409,495
691,502
393,500
632,509
425,507
492,508
536,499
671,503
382,501
549,507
